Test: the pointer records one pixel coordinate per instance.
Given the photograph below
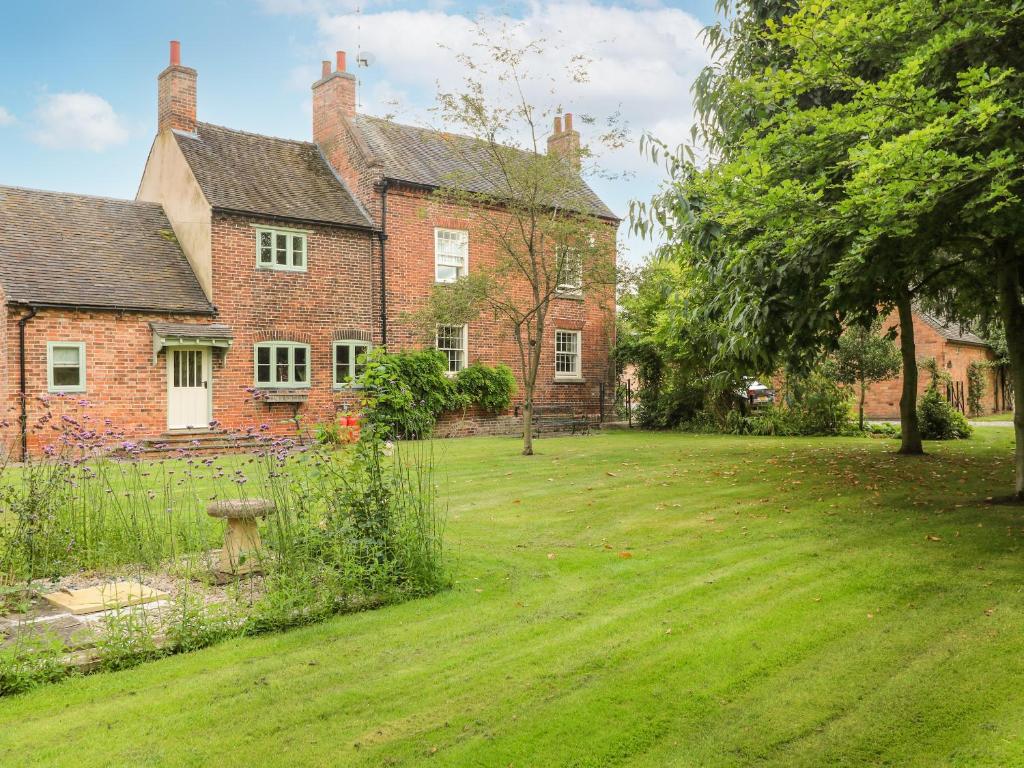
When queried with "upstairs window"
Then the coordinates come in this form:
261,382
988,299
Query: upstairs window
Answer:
570,273
349,362
282,364
65,366
282,249
567,354
451,254
451,340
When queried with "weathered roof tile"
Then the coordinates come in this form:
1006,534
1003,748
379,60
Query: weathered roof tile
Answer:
75,250
436,159
247,172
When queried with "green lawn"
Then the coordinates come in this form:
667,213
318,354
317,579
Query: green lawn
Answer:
784,602
1003,416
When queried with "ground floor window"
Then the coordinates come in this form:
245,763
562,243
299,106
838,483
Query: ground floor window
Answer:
349,362
451,340
282,364
65,366
567,354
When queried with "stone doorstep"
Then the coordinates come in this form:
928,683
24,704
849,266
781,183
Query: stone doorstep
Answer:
118,594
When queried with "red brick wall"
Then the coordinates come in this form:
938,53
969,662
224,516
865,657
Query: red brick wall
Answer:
883,399
412,217
126,388
312,307
122,384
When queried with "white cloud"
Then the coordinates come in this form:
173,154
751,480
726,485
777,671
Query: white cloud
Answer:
644,59
6,118
78,121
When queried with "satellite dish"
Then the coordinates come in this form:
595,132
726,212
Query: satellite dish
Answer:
365,59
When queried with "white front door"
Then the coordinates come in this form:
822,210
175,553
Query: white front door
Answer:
188,388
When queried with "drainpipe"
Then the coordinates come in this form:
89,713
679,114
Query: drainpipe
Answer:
383,235
23,384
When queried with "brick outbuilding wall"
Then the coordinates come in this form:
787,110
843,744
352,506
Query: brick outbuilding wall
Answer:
883,398
125,392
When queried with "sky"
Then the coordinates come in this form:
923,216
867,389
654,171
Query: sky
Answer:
78,80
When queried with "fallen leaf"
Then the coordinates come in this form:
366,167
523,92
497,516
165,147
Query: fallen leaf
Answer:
625,555
551,555
933,538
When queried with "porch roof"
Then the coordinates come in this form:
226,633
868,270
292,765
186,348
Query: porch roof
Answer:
182,334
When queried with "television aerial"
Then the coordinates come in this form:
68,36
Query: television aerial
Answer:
365,59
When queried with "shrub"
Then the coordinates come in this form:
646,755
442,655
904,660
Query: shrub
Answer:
939,420
820,406
489,388
406,392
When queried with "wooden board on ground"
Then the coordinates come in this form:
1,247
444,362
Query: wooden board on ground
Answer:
118,594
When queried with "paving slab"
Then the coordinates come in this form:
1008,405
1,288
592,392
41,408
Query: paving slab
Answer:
118,594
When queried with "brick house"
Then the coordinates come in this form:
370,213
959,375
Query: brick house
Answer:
241,285
954,349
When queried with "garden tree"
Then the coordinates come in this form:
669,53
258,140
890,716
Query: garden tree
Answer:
939,153
544,230
865,356
875,169
674,358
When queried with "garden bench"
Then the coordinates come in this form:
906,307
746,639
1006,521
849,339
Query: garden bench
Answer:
241,552
555,418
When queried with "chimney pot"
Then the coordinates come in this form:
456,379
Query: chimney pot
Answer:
568,121
325,69
341,61
558,125
176,95
175,53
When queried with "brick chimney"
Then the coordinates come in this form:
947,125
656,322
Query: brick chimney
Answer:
176,99
334,97
565,142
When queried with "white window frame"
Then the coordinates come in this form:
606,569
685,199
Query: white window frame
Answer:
577,373
291,346
291,235
464,237
50,347
349,382
445,350
574,289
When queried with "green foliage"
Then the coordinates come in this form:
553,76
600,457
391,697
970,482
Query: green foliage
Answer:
30,661
939,420
975,388
328,433
820,405
489,388
405,392
350,530
672,356
865,356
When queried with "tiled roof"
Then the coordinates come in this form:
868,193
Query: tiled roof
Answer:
435,159
246,172
950,331
192,330
73,250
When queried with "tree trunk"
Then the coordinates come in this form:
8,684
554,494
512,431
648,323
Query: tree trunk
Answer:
1012,311
910,431
528,425
861,408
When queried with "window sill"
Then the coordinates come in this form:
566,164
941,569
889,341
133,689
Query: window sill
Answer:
347,387
570,296
293,395
293,270
569,380
66,391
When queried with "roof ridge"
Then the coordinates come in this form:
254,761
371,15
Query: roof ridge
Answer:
80,195
250,133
